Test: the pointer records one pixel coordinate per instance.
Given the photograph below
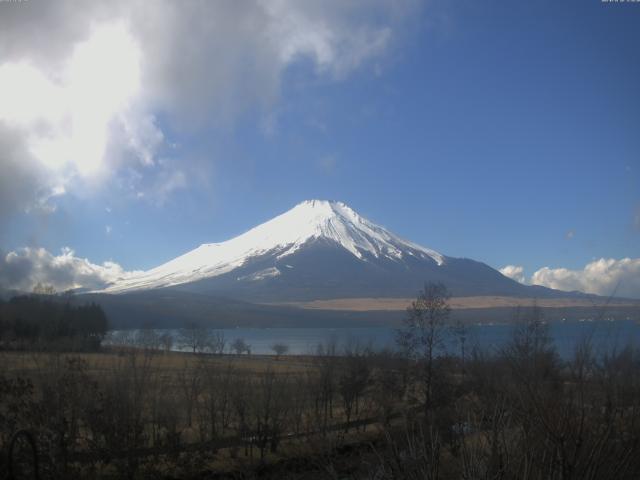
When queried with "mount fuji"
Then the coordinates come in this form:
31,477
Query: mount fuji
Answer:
321,250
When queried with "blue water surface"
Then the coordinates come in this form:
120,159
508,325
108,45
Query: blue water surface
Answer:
605,336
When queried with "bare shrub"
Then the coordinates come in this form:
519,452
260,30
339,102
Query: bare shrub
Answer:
279,349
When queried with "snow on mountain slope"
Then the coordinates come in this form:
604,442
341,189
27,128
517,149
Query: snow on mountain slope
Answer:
282,236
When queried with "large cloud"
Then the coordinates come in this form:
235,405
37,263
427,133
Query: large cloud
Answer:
514,272
19,176
606,276
25,268
82,84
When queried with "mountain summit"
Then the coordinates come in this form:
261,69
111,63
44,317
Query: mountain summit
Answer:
318,249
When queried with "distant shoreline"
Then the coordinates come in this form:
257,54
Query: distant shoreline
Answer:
456,303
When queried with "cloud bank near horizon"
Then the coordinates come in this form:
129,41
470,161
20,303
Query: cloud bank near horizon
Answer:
605,276
25,268
514,272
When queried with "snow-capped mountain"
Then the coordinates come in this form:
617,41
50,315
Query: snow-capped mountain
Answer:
318,249
282,236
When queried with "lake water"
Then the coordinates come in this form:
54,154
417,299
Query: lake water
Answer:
605,335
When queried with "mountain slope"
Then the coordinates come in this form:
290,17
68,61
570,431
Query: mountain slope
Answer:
321,250
169,308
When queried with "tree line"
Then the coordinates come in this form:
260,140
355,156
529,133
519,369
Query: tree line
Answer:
50,321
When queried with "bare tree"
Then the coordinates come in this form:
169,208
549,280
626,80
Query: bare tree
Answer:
216,342
166,341
279,349
269,409
422,334
194,338
353,379
240,346
147,338
460,332
190,382
216,405
531,350
323,382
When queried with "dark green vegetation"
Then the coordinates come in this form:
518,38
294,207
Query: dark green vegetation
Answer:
346,412
31,320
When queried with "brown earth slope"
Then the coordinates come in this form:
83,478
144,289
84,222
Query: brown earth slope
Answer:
395,304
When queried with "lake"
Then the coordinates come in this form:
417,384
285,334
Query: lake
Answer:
606,335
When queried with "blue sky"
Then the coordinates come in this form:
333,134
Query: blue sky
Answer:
505,132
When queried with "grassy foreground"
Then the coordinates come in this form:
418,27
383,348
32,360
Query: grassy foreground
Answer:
520,412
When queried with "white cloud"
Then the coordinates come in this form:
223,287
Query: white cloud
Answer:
26,267
323,34
84,99
602,277
514,272
167,182
66,119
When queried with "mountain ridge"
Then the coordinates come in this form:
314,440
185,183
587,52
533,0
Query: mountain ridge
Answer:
322,250
284,234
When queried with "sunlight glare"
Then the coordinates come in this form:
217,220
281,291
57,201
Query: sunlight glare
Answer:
69,123
27,96
105,75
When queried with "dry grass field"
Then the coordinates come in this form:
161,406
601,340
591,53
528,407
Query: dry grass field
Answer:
97,363
141,413
398,304
145,412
